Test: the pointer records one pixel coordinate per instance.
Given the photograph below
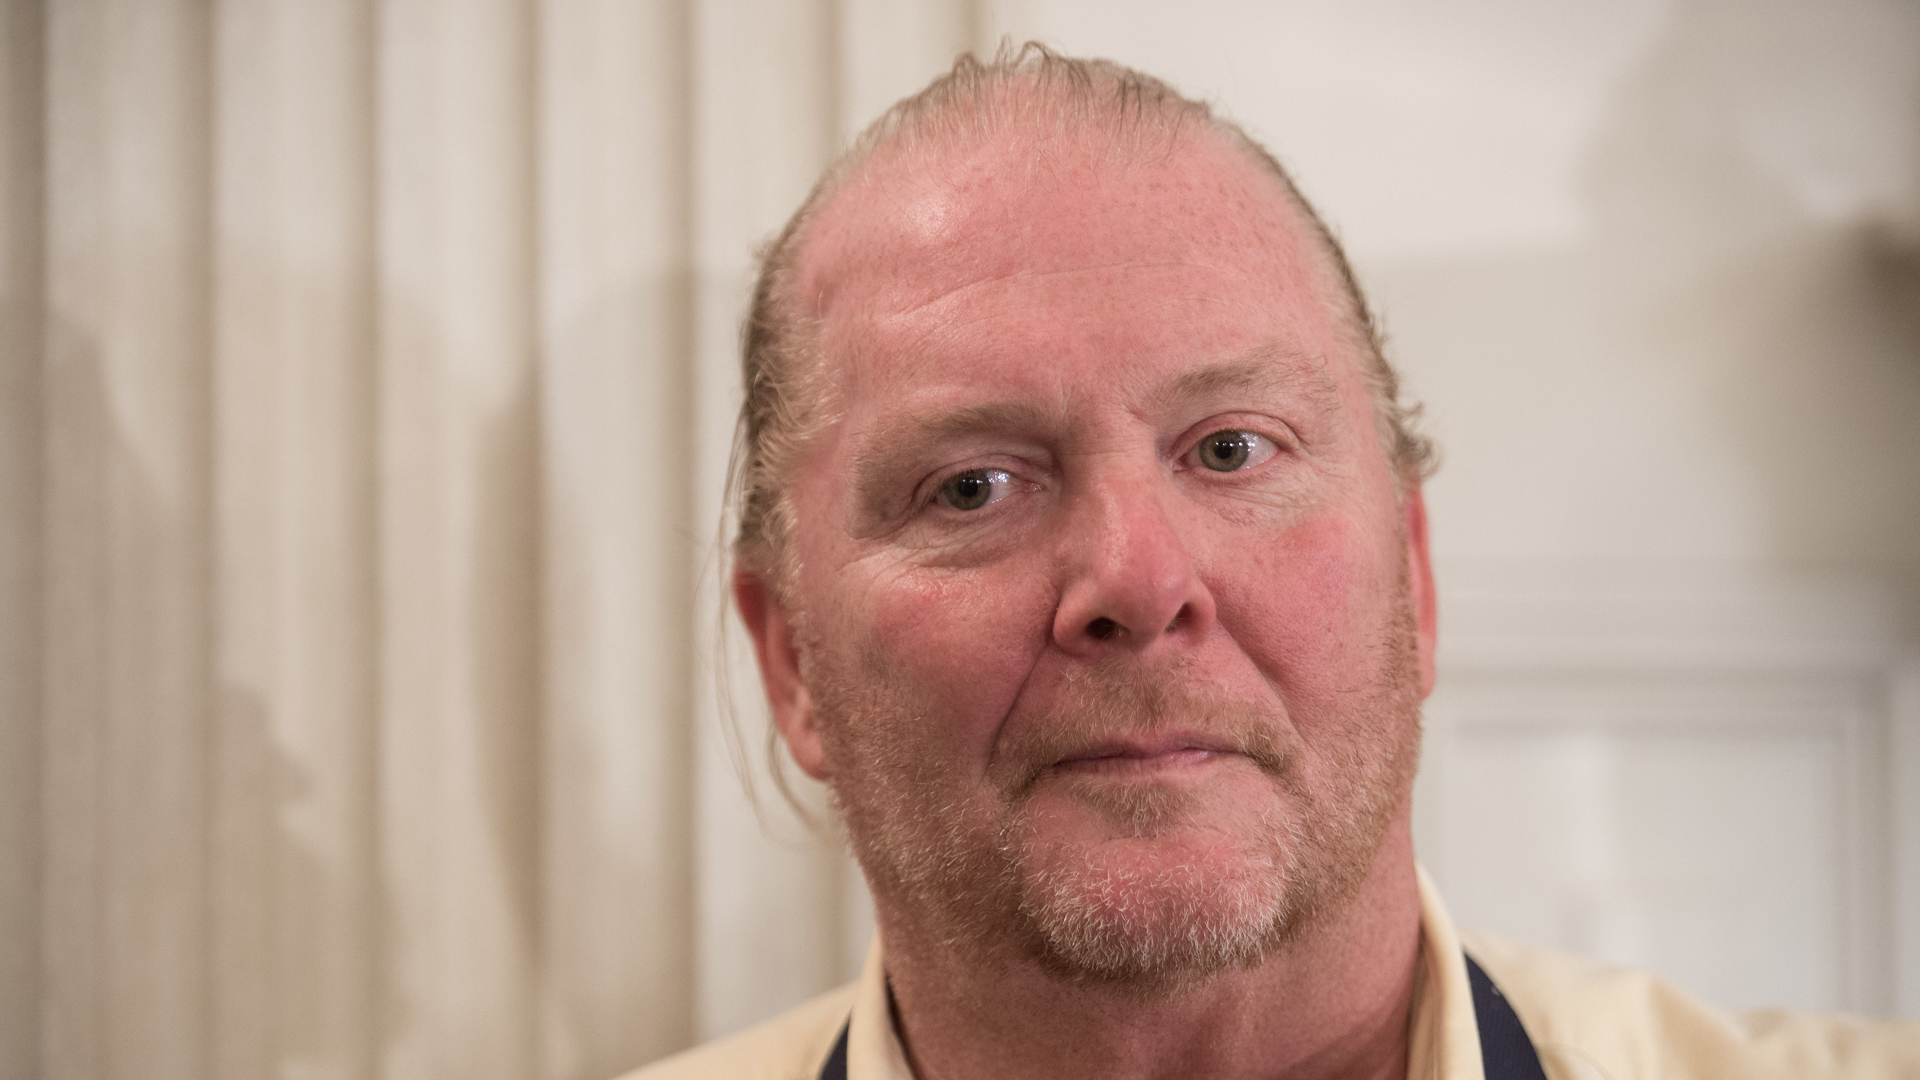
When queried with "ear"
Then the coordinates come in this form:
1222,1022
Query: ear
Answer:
1420,584
773,645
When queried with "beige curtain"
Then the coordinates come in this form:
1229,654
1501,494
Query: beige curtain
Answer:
366,378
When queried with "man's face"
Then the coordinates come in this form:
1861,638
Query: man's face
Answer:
1101,622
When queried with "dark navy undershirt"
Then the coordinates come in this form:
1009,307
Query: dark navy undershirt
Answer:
1504,1046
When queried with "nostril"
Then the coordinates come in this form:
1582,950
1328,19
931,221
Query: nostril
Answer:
1102,628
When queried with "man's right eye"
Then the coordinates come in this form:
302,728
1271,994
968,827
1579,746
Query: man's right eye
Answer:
975,488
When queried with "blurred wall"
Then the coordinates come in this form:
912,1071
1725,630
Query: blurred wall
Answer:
366,374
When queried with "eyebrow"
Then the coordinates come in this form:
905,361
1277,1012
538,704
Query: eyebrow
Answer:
878,454
1269,368
964,420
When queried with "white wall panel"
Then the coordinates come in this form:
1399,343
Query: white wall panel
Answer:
1903,762
1713,802
1714,857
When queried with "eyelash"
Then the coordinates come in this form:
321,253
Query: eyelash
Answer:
1266,447
997,478
1006,479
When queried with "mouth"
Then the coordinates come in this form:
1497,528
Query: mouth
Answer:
1123,756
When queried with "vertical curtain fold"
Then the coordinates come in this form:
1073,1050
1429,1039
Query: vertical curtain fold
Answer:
21,203
459,553
764,116
292,833
621,545
126,568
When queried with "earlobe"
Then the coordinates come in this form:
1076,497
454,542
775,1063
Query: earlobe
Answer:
801,730
1420,585
779,658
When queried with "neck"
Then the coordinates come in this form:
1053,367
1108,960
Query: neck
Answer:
1332,1002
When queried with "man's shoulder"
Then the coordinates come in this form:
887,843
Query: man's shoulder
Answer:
790,1046
1590,1021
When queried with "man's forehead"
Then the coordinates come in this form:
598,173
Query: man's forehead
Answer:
925,219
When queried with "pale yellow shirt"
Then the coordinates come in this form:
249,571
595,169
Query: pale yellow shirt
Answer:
1588,1022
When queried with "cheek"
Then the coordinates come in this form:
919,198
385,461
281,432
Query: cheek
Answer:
958,644
1314,610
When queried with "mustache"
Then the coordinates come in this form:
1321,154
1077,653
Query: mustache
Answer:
1117,699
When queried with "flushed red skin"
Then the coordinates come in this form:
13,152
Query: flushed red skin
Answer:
1063,295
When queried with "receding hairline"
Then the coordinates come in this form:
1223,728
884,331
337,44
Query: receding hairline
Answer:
1173,126
905,153
1027,98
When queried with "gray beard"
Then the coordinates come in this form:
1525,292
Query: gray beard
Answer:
972,879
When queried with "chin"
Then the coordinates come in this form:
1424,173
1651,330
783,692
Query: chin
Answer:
1154,915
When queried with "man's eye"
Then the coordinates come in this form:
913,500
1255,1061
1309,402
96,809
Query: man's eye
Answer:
1230,451
975,488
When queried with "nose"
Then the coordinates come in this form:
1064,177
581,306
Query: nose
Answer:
1132,585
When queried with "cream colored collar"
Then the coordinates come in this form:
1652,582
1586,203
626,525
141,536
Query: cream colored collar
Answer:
1443,1040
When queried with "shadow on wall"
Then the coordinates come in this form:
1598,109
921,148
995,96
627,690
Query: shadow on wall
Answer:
221,895
1751,240
458,751
505,661
294,958
616,847
1726,371
123,932
206,913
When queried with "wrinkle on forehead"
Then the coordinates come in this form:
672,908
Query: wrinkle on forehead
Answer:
957,292
1271,367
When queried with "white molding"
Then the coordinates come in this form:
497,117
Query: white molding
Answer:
1596,620
1725,655
1903,766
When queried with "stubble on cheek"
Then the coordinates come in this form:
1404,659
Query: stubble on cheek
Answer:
963,852
951,844
932,850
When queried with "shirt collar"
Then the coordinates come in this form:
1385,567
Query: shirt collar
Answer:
1443,1039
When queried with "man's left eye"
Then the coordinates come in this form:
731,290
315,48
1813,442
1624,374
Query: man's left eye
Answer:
1233,450
976,488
